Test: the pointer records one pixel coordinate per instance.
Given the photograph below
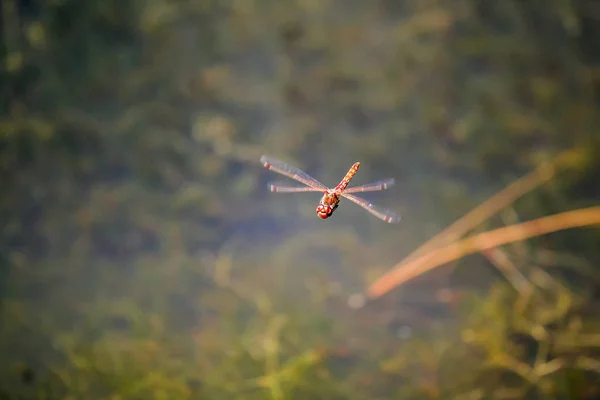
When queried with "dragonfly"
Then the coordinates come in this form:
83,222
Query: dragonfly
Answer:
331,196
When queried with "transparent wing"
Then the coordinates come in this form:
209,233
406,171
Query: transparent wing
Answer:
292,172
371,187
381,213
282,188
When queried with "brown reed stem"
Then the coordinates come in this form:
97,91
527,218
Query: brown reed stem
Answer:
481,242
486,209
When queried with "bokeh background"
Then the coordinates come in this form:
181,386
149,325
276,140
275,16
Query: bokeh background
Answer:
142,257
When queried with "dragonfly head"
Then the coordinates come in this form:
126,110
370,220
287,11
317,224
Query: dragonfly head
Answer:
324,211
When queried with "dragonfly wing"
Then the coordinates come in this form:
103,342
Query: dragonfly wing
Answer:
381,213
290,171
276,187
372,187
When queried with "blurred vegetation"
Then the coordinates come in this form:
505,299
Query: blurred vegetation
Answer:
141,257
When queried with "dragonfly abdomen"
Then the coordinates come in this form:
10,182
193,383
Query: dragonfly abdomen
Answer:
349,175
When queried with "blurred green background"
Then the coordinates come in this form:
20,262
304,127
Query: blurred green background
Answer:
143,258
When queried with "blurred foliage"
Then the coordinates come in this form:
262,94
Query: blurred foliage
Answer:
140,257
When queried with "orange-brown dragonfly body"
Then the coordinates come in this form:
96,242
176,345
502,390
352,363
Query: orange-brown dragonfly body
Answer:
331,197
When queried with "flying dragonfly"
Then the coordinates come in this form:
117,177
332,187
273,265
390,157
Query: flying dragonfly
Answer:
331,197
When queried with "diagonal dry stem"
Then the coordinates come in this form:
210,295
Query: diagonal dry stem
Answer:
502,262
493,205
486,209
481,242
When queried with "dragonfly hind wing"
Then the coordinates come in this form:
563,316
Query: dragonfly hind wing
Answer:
279,188
384,214
292,172
372,187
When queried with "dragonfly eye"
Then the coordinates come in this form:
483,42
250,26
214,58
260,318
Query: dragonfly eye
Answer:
324,211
